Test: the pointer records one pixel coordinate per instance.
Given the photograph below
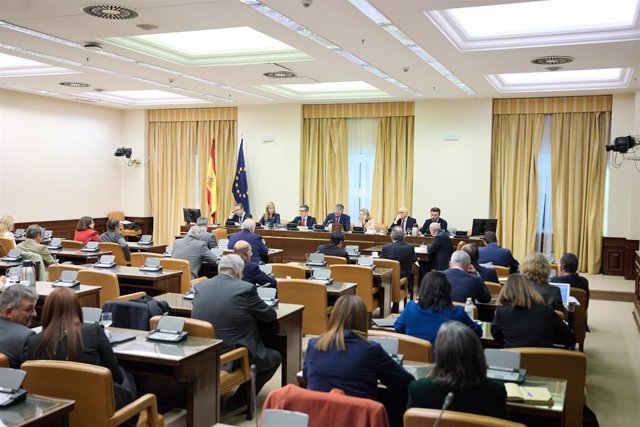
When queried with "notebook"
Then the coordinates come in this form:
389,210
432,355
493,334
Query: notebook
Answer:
106,261
525,394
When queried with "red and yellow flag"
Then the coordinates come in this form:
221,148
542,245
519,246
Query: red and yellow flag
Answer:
212,193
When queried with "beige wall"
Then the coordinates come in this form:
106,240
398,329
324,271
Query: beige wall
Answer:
135,199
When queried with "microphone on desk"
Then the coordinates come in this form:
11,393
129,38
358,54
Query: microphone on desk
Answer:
447,402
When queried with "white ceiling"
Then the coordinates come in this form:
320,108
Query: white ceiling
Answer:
336,20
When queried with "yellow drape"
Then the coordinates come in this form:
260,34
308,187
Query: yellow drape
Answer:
578,160
324,169
514,179
393,167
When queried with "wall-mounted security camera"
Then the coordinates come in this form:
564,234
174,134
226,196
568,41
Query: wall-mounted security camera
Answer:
123,152
306,3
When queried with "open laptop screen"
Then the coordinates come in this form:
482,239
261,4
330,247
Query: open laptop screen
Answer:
564,291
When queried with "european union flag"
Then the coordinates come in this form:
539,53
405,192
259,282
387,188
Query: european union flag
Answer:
240,186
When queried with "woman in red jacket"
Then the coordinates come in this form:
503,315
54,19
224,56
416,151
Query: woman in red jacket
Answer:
84,230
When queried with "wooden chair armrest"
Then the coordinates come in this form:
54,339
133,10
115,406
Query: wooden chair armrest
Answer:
129,297
403,281
198,280
146,403
241,354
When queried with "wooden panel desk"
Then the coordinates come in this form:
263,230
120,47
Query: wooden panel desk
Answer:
131,279
191,367
284,335
37,411
77,256
157,249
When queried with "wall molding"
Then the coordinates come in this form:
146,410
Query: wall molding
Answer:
65,228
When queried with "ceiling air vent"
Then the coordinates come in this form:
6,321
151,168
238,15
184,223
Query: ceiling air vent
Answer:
110,11
552,60
281,74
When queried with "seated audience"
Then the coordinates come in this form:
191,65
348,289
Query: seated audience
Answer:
234,309
238,215
365,221
344,358
17,309
114,235
404,221
440,248
270,216
304,220
33,237
463,284
205,236
522,319
65,337
338,217
259,249
194,250
6,227
335,247
85,232
433,218
568,273
434,307
536,268
252,272
400,251
492,253
487,274
460,368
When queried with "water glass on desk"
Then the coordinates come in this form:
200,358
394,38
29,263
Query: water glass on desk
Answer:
106,319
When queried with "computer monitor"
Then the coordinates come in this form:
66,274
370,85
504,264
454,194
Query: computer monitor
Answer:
191,215
482,225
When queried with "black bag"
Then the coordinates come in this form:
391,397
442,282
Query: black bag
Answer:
156,308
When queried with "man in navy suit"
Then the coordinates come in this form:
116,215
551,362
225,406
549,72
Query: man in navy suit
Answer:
435,217
487,274
252,272
404,221
400,251
238,215
259,249
304,219
440,248
335,246
338,218
463,284
492,253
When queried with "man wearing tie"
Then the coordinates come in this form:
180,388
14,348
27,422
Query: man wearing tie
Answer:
404,220
238,215
303,219
338,218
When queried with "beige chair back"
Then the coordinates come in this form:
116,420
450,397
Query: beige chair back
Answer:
363,276
6,245
413,348
72,244
315,317
179,265
4,361
579,316
138,258
119,215
282,271
220,233
494,288
108,282
334,260
397,291
194,327
381,228
461,243
56,269
420,417
558,363
501,271
116,251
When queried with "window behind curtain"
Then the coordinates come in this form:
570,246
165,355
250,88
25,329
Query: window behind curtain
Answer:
544,229
361,137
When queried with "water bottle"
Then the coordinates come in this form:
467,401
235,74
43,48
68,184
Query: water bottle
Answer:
28,273
414,231
468,308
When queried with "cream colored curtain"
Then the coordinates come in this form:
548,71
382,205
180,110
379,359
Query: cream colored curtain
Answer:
514,179
324,168
578,161
393,169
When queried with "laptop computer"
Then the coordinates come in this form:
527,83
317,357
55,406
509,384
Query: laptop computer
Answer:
68,279
91,247
169,329
322,275
316,259
146,239
565,291
55,244
106,261
151,264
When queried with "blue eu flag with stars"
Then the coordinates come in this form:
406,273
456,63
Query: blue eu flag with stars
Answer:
240,186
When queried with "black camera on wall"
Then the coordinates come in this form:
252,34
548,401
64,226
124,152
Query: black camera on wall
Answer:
622,144
123,151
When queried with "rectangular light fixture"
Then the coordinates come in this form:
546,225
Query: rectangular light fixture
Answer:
549,81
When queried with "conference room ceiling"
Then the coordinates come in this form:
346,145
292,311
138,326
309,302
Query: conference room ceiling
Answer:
360,60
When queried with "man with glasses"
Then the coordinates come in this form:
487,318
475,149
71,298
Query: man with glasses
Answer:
404,221
17,308
238,215
339,217
304,219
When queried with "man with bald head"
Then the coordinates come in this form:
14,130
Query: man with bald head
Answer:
252,272
259,249
404,221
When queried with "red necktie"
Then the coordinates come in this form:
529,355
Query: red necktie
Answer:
304,222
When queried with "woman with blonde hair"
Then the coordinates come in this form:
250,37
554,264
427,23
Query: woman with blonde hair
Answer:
6,227
365,221
536,268
270,216
343,358
522,319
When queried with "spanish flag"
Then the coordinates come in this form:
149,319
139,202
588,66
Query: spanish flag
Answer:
212,191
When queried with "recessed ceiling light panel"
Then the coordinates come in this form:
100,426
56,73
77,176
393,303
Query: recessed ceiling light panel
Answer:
545,81
280,74
110,11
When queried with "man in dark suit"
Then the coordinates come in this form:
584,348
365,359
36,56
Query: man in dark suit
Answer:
259,249
252,272
338,217
434,217
335,246
463,284
17,308
234,309
205,236
194,250
404,221
238,215
304,219
487,274
440,248
495,254
568,273
400,251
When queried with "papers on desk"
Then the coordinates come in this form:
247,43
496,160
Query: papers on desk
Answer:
531,395
387,322
420,249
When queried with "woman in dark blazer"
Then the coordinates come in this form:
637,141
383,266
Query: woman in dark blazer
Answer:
522,319
536,268
343,358
270,216
434,307
65,337
460,369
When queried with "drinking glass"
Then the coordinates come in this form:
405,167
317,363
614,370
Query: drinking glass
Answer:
106,319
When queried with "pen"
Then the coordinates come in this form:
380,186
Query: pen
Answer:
526,391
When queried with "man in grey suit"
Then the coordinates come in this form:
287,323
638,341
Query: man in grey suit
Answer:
234,309
205,236
17,308
193,250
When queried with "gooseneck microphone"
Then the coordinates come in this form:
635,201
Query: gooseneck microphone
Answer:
447,402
